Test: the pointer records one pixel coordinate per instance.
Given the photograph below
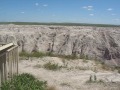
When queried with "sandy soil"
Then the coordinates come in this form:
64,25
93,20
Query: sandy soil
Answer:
73,75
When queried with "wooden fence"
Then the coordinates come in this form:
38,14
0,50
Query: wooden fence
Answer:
8,62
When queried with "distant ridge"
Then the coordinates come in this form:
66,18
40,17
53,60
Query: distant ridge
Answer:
63,24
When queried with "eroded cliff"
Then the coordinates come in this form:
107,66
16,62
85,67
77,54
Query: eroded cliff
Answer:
93,42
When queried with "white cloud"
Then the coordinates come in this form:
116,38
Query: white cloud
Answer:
45,5
84,7
36,4
22,12
88,7
109,9
91,14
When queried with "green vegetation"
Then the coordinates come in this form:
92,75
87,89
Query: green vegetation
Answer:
118,68
51,66
62,24
69,57
41,54
33,54
24,54
82,56
24,82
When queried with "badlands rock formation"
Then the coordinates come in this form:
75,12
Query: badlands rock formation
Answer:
93,42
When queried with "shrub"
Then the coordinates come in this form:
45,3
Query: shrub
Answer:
24,82
41,54
37,54
82,56
117,68
24,54
51,66
68,57
33,54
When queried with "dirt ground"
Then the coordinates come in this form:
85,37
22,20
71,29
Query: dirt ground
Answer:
72,75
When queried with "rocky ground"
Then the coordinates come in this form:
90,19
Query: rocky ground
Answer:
75,74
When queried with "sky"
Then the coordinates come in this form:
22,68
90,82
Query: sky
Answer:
72,11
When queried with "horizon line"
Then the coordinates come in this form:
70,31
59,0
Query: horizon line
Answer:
58,23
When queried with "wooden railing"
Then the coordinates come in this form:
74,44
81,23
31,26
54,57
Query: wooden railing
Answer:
8,62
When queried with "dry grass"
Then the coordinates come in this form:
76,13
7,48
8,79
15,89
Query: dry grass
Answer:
51,88
51,66
65,84
38,66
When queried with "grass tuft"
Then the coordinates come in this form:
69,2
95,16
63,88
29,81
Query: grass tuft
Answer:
33,54
51,66
51,88
41,54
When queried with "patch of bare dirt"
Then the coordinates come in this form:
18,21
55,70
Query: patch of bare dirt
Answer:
73,74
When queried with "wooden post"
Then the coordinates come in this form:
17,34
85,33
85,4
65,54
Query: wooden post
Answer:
17,54
8,65
15,62
2,76
11,72
2,67
5,67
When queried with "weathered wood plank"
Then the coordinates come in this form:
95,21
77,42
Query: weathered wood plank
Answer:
6,46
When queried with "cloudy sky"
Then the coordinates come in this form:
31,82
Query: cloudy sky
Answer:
76,11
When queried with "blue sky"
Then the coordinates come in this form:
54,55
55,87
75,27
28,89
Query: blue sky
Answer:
76,11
